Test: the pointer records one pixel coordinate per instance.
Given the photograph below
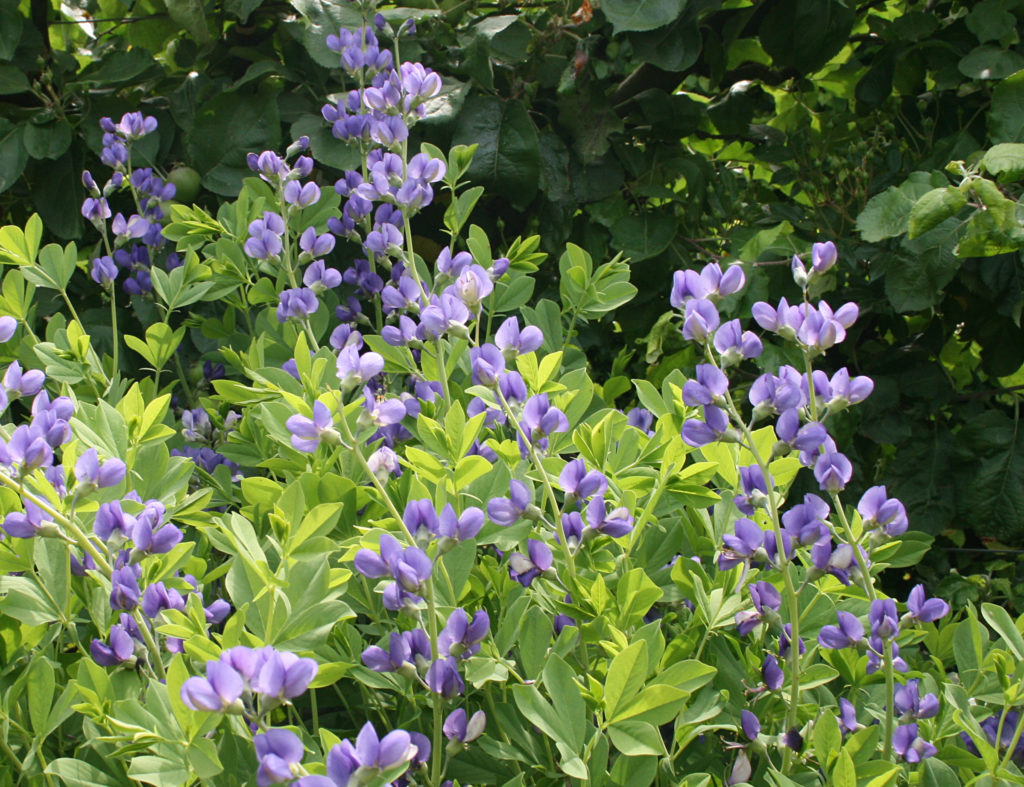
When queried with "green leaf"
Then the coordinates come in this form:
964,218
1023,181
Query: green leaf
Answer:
78,773
40,693
634,738
507,158
625,678
657,704
1005,116
534,639
827,737
992,485
10,30
934,208
885,215
12,153
938,774
12,80
1006,160
990,62
626,15
325,147
26,601
805,34
926,265
559,682
226,128
119,67
999,619
643,236
191,15
845,772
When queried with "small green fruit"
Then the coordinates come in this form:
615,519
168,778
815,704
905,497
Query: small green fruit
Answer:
187,181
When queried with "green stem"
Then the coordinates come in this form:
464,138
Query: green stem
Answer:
866,578
641,521
890,693
443,371
113,328
437,750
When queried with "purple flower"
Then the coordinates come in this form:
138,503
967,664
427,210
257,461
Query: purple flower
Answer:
700,320
848,634
355,370
89,471
877,510
540,419
786,638
279,751
369,754
103,270
301,195
741,547
909,745
884,618
911,705
307,434
17,383
297,304
711,283
772,674
488,364
319,278
513,342
848,717
525,568
755,489
699,433
461,637
111,518
443,678
284,675
124,593
265,235
445,314
406,651
460,528
8,325
709,387
806,521
832,469
734,344
751,724
823,256
158,597
839,562
33,522
507,511
472,285
120,650
219,690
151,534
457,728
766,599
576,481
615,523
925,610
318,245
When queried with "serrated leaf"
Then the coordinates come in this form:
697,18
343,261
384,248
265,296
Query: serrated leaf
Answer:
1006,160
934,208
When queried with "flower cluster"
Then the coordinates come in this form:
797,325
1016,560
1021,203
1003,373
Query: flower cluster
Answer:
133,242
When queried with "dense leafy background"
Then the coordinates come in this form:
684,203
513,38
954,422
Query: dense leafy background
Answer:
674,131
